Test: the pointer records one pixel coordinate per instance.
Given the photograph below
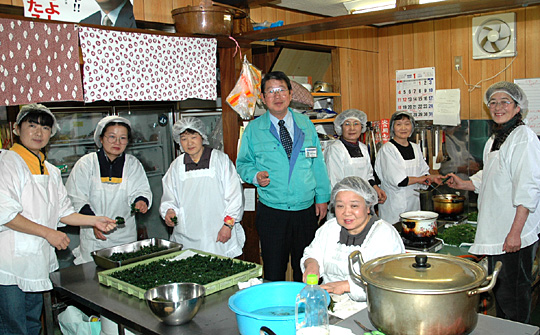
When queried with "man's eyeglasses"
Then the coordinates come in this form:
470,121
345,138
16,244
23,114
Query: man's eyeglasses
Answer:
113,139
276,91
503,103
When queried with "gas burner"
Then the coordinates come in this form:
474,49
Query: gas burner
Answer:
447,221
415,246
453,218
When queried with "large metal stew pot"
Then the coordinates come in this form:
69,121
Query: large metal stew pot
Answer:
448,204
422,294
419,226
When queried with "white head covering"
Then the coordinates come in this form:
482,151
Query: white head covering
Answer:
513,90
35,108
393,120
102,124
349,114
186,123
358,186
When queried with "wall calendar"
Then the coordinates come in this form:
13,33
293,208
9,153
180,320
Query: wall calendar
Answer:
415,92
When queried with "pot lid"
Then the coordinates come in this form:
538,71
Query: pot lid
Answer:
423,273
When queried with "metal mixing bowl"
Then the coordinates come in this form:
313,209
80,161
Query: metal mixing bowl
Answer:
176,303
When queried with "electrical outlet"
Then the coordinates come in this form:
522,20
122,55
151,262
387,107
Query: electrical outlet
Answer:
457,62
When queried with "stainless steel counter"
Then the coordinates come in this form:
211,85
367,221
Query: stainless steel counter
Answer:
487,325
81,284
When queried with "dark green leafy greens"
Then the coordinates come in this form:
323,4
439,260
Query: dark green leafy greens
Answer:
461,233
119,220
195,269
472,216
175,220
134,210
332,305
144,250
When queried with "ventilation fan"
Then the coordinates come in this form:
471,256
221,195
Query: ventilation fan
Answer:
494,36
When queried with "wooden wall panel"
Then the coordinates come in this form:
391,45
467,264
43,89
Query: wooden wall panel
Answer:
458,33
369,56
423,44
159,10
517,69
443,54
382,88
459,39
532,37
407,46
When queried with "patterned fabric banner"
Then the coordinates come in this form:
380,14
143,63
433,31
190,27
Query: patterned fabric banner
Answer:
39,62
144,67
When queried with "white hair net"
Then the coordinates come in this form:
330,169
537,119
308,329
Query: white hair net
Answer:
102,124
358,186
349,114
189,123
35,108
395,116
513,90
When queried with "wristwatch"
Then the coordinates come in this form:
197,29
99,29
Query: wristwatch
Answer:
228,221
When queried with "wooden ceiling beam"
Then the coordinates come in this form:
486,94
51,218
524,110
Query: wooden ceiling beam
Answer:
391,16
254,3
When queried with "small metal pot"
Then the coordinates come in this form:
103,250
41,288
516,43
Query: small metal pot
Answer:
448,204
419,226
422,294
322,87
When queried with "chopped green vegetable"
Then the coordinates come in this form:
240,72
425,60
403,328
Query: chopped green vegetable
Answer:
460,233
120,220
122,256
331,305
134,210
195,269
175,220
473,216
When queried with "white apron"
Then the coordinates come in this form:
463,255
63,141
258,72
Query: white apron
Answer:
26,259
200,199
107,199
340,164
399,199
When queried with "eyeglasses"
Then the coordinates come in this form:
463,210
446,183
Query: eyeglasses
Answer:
276,91
113,139
502,103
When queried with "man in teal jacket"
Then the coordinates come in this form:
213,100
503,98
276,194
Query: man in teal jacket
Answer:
281,155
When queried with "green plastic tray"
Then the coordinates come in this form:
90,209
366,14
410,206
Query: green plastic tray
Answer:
106,279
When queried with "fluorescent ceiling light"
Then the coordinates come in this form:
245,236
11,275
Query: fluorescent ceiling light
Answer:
363,6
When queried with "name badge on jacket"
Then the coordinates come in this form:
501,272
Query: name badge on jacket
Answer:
311,152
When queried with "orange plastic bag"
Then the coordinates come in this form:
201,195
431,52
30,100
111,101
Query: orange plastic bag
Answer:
246,92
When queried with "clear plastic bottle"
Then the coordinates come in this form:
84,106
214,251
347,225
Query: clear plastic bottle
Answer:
313,300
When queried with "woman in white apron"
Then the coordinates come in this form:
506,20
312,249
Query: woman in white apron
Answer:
355,227
108,182
202,194
34,203
347,156
508,190
401,166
